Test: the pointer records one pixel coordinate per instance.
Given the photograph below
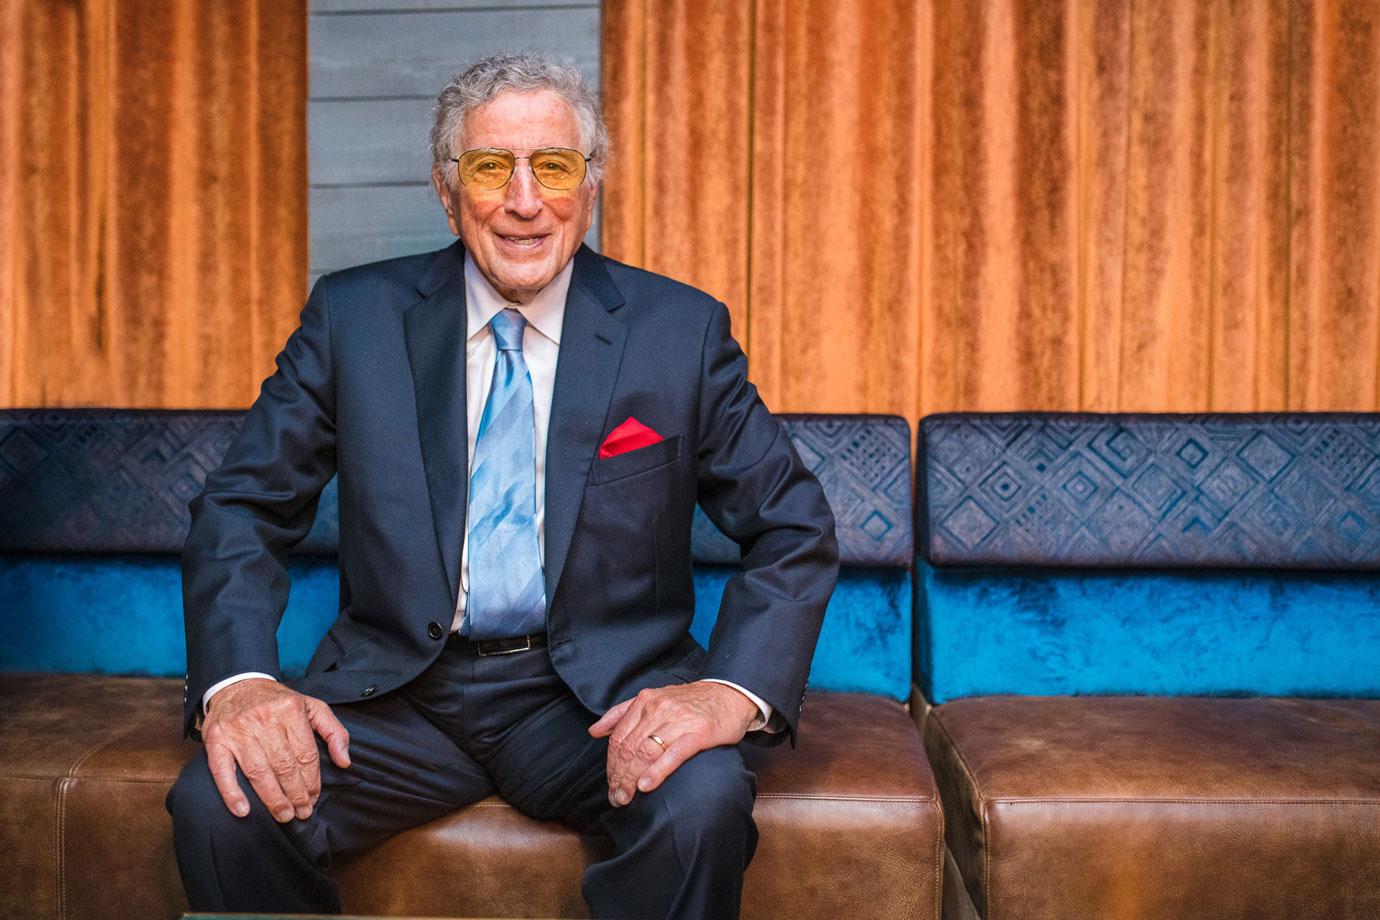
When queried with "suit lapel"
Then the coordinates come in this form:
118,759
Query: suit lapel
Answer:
435,331
592,340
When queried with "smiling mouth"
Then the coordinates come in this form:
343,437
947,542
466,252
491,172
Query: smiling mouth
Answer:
525,242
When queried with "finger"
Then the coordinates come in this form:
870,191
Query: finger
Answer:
652,747
258,769
302,743
222,764
331,730
639,754
282,757
677,752
609,720
632,718
629,754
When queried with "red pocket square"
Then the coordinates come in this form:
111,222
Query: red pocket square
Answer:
630,435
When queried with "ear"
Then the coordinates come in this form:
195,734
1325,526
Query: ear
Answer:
589,207
447,196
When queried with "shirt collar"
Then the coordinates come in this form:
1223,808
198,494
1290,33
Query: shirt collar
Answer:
546,312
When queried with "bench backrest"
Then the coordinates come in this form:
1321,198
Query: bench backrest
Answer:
93,512
1163,554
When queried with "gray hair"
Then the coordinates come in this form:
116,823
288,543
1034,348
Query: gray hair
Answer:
482,81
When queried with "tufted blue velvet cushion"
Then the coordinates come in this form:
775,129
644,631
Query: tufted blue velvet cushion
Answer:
1297,490
1149,554
123,615
1030,632
93,509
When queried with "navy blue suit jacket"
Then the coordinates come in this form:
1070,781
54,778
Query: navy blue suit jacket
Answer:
371,387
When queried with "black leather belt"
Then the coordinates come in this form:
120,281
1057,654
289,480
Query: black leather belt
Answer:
508,646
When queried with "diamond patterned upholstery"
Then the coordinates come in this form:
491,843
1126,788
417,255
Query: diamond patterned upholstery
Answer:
1295,490
118,481
863,463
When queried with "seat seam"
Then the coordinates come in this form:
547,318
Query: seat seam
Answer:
989,901
968,771
938,876
64,783
96,749
981,801
60,844
825,797
779,796
1178,800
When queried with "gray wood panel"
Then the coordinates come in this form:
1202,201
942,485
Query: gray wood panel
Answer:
414,54
354,225
356,7
369,141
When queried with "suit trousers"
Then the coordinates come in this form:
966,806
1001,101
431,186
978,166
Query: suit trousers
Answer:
468,727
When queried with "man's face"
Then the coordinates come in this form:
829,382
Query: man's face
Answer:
522,235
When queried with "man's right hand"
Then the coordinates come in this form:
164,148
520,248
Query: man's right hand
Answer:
266,728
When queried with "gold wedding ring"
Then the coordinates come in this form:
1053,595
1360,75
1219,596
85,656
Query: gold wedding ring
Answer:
657,739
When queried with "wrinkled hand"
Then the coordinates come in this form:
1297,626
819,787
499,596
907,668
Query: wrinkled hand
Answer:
267,728
688,718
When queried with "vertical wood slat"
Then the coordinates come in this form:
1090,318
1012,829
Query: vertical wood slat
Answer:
686,213
1335,247
834,238
1129,206
11,79
1102,36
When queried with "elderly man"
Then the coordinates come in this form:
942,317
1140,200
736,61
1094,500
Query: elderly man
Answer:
521,429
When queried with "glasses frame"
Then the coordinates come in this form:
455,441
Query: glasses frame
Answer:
584,171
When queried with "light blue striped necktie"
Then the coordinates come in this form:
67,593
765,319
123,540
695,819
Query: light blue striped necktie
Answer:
507,594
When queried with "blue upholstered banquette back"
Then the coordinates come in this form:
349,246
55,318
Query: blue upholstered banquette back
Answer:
93,511
1163,554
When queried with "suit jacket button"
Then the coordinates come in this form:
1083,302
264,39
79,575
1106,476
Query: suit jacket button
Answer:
370,690
434,630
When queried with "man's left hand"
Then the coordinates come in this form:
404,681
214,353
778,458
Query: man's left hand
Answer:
687,718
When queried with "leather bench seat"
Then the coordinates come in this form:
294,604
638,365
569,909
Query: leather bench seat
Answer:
1161,808
850,821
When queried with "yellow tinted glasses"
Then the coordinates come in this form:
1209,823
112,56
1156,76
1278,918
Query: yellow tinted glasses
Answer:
490,168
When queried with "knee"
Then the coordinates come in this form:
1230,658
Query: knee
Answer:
711,796
194,801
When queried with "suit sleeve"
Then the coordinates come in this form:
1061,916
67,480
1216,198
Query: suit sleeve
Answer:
254,508
755,489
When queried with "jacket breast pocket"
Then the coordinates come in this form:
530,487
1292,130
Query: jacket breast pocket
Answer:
642,460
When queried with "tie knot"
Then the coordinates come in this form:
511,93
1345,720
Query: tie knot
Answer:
508,326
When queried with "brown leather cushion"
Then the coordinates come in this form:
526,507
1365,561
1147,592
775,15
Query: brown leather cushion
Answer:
850,821
1170,808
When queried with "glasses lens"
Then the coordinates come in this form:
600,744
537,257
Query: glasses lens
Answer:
485,168
558,167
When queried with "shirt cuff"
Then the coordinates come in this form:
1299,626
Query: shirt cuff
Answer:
221,685
764,710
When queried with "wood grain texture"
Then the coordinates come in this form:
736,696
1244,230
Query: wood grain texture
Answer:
154,193
400,52
1018,204
690,73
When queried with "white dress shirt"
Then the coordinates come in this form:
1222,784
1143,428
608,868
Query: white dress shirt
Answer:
541,344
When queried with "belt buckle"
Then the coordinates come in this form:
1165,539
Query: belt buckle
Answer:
525,646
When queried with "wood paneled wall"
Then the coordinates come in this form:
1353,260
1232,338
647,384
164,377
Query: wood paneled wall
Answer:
1013,204
152,199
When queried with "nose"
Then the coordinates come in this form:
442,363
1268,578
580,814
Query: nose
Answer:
523,194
